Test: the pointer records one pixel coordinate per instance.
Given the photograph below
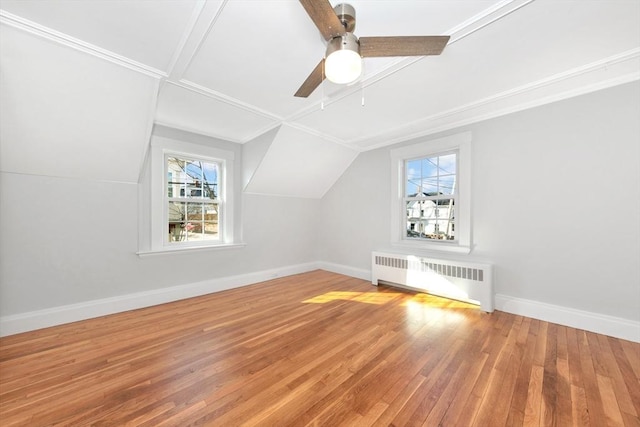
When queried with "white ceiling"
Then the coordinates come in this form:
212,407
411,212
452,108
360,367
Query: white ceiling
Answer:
229,69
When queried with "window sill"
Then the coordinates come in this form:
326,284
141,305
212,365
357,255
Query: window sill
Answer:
435,247
190,249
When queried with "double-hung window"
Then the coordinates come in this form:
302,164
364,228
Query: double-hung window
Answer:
431,183
430,196
193,203
191,200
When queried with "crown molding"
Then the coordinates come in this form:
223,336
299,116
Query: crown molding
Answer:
183,128
187,35
210,93
618,69
71,42
202,21
320,135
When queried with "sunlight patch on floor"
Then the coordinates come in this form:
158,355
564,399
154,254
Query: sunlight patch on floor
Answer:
436,301
377,298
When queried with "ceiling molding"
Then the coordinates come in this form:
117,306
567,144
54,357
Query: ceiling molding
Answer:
194,87
320,135
203,20
68,41
196,131
486,17
261,131
186,35
456,117
302,128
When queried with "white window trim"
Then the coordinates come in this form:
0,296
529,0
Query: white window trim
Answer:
462,144
160,147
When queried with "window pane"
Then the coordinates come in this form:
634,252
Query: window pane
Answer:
430,186
210,180
176,231
446,184
177,211
201,222
414,177
429,167
194,212
176,179
189,178
201,230
447,164
210,230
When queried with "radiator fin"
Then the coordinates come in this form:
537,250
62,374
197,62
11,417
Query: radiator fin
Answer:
476,274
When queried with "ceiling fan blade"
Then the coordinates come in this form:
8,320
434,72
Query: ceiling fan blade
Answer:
313,81
402,46
325,18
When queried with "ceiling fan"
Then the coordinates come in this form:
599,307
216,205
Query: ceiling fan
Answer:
343,60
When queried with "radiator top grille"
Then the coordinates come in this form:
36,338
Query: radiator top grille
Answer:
423,265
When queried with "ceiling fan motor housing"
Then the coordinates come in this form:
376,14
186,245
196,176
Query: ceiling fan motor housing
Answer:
343,63
347,41
347,15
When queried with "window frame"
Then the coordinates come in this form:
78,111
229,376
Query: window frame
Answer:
459,143
161,149
433,198
182,198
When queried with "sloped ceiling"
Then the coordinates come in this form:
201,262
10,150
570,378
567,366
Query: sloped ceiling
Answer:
296,164
229,68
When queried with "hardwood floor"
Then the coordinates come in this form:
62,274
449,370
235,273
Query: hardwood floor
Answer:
317,349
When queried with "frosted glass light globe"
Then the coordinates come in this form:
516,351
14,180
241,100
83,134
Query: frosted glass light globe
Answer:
343,66
343,63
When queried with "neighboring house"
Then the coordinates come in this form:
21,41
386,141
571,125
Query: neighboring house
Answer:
431,217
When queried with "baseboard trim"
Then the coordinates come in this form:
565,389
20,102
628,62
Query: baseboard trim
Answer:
24,322
594,322
358,273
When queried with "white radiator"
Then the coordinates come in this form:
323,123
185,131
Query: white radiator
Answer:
463,281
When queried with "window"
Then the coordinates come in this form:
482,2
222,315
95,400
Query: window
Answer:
431,194
193,215
429,197
190,194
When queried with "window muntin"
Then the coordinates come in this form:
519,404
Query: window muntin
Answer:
192,199
430,197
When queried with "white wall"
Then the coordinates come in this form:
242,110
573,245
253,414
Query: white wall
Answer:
556,204
68,241
66,113
73,138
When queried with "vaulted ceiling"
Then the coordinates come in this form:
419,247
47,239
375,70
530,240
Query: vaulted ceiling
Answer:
89,79
229,68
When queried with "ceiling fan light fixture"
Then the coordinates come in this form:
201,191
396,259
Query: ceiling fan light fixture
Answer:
343,63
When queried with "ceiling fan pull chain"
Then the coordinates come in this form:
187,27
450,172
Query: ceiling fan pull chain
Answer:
362,85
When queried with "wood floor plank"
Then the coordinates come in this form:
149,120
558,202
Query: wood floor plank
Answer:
610,404
526,341
594,399
317,349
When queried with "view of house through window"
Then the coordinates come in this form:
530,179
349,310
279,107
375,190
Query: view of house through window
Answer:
192,199
429,197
